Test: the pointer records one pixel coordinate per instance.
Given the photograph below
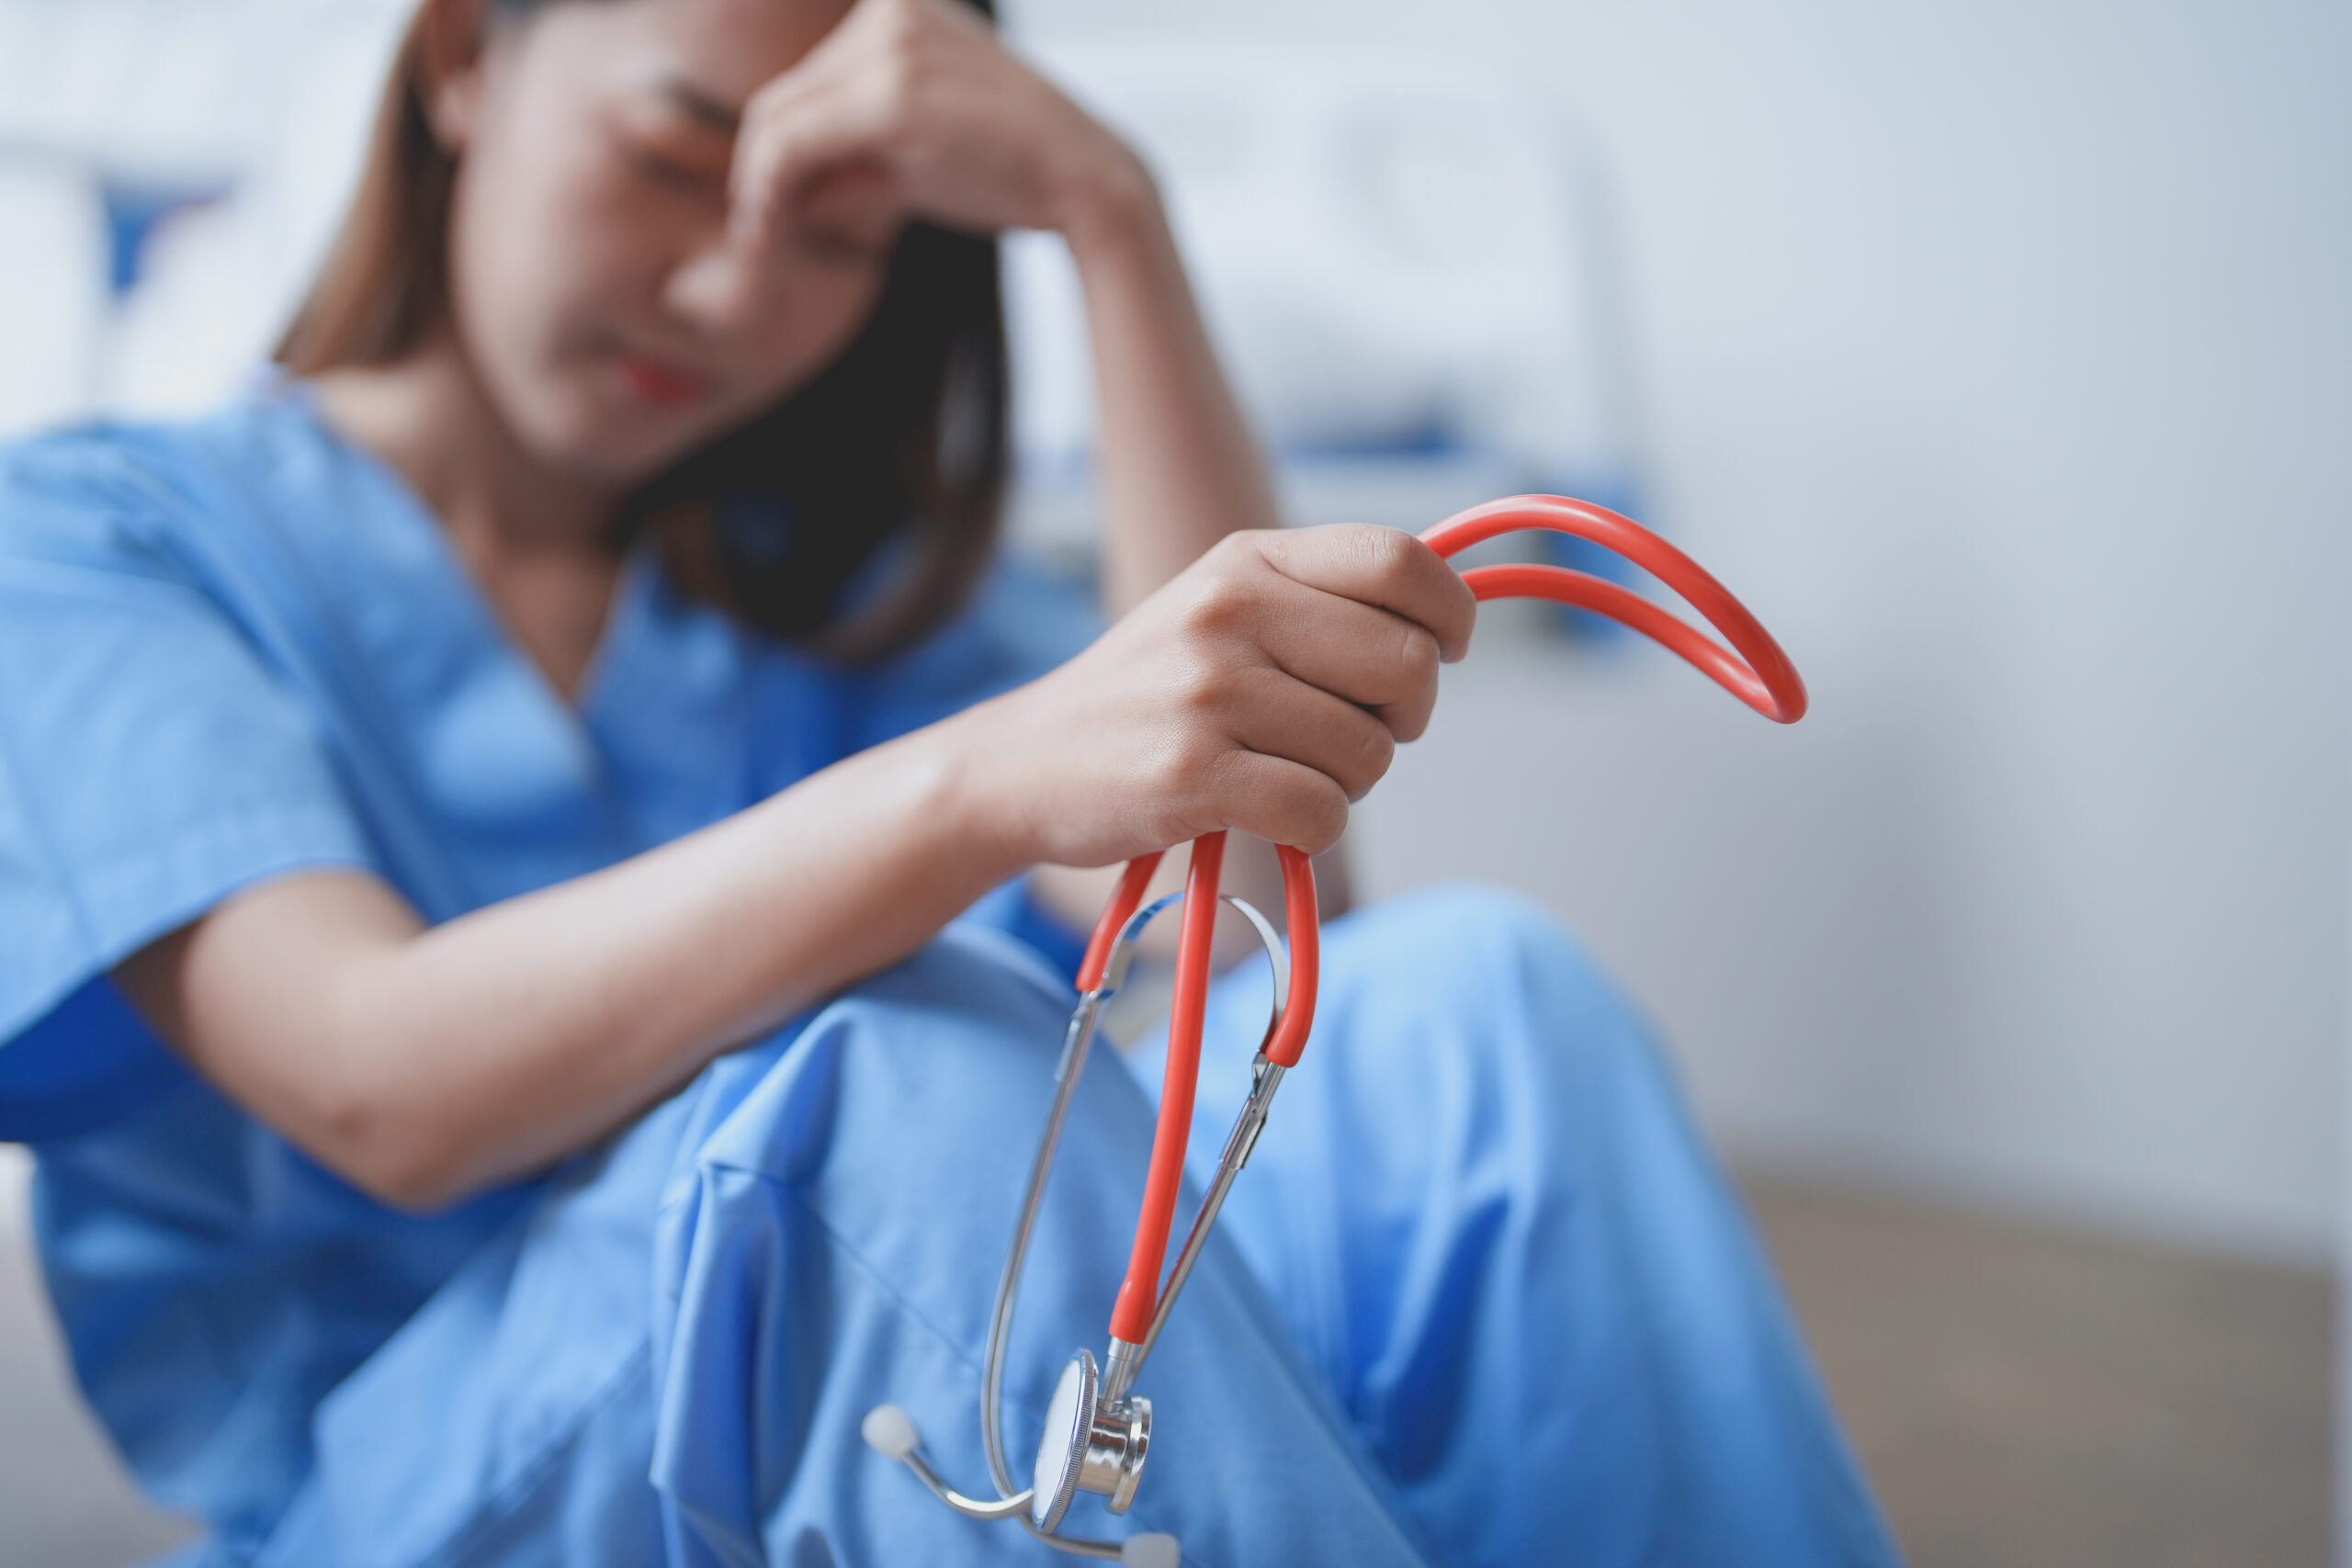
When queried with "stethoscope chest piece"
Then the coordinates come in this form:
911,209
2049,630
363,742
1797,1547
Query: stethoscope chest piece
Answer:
1089,1446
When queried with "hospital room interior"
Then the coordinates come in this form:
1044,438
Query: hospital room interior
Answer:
1999,355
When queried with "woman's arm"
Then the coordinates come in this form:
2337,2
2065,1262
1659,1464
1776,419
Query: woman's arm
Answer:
425,1062
911,107
1264,689
912,104
1179,469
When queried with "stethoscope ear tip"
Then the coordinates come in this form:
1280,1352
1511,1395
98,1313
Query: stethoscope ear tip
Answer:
890,1432
1150,1549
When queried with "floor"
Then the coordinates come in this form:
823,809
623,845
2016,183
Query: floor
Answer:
2021,1396
63,1501
2026,1396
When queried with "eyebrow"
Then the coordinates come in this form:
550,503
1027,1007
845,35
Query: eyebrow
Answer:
700,107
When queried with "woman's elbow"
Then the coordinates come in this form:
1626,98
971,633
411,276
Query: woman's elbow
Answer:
412,1189
402,1155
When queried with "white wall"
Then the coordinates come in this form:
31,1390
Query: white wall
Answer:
260,106
1999,354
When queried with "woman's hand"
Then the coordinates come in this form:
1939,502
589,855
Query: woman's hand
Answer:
911,108
1266,688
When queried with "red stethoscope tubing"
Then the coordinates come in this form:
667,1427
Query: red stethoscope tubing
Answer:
1758,673
1753,668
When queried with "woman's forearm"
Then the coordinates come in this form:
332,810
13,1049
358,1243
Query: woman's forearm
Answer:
1262,693
426,1063
1179,469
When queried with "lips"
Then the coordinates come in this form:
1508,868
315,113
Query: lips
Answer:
658,383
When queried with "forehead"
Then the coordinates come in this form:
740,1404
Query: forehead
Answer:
709,54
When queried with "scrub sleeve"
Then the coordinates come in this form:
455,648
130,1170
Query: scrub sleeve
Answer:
150,766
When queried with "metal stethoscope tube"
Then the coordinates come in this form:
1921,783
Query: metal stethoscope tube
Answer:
1124,1362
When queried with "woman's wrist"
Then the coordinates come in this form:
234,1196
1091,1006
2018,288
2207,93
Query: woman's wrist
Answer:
1112,208
971,795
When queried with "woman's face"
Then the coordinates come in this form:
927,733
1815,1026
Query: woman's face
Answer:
595,289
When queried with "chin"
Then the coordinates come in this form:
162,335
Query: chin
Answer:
619,447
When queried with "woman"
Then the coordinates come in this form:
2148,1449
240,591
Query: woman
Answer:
523,765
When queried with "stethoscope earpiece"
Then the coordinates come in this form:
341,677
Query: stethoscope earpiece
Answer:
889,1431
1097,1432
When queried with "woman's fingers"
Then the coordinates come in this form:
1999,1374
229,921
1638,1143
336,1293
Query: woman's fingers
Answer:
1383,567
1281,801
1366,614
820,126
916,87
1273,714
1265,689
1375,659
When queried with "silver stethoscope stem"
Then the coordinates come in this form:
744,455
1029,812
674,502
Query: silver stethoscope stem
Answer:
1125,1362
890,1429
972,1508
1267,1077
1076,1042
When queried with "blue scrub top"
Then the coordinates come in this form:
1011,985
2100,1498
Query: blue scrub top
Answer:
237,648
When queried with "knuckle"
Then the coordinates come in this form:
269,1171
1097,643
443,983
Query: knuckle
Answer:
1324,819
1180,767
1187,767
1408,724
1204,688
1375,749
1239,550
1419,657
1218,605
1388,551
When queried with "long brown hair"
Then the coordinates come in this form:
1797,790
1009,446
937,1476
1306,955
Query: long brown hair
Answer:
854,515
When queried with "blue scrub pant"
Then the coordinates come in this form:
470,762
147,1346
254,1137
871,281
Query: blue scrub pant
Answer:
1481,1297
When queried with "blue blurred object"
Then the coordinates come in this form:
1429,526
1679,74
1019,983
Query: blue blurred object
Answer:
134,212
1483,1240
1583,555
114,1067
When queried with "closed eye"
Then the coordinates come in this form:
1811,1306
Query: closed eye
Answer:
665,144
836,245
694,177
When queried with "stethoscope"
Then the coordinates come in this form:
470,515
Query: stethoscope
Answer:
1098,1430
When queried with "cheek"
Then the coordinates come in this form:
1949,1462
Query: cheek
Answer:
545,251
557,251
507,283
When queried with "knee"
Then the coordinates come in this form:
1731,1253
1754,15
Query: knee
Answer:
1479,996
1473,952
911,1063
923,1088
896,1126
1461,925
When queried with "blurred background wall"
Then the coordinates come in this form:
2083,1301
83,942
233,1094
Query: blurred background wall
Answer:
2000,354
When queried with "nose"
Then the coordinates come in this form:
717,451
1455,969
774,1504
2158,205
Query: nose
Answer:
718,287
